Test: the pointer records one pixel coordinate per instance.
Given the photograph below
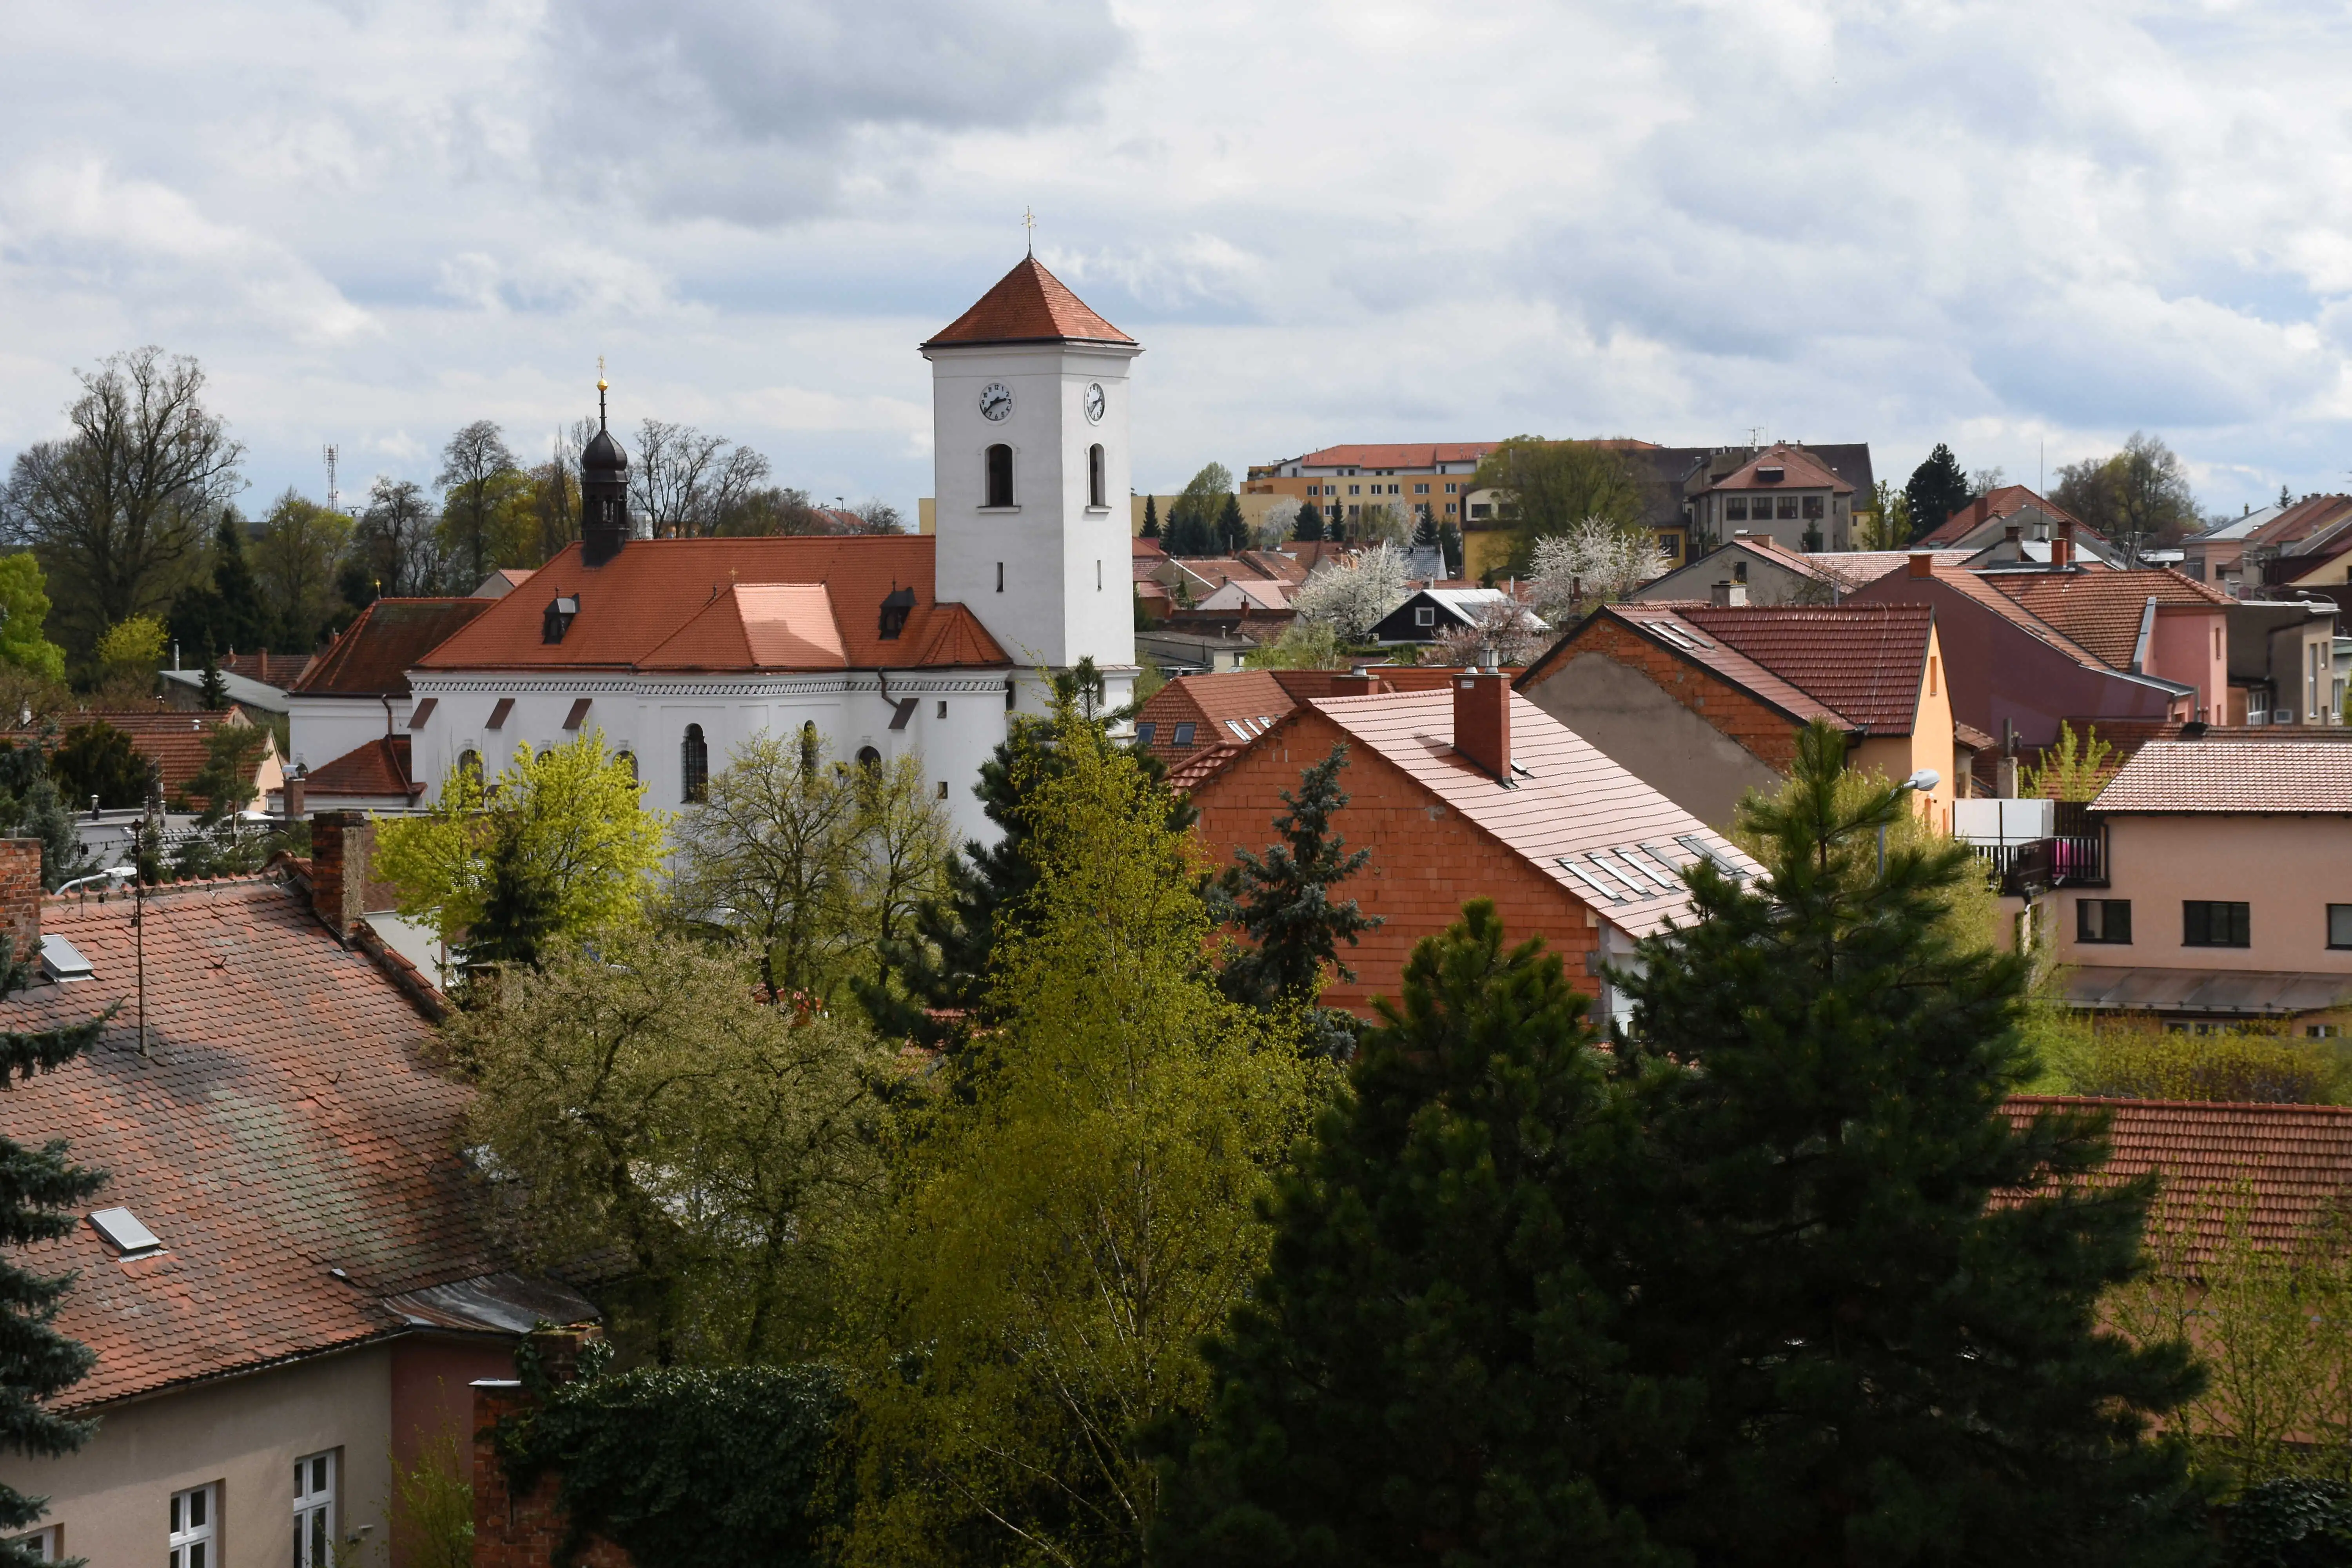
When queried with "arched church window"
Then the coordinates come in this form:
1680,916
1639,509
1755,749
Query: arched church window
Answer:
1094,485
469,763
694,765
629,760
868,757
1000,475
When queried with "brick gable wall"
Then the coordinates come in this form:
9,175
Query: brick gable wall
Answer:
1762,730
1427,860
525,1532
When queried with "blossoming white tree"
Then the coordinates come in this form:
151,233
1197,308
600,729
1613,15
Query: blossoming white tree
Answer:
1351,596
1605,560
1506,632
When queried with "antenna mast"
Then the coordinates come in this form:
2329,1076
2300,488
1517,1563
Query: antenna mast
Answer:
334,496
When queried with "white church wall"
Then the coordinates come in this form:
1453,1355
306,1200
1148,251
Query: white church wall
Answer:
320,729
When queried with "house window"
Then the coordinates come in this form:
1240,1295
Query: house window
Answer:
314,1511
1145,731
42,1545
1740,571
194,1520
1094,476
1421,489
2103,920
1424,616
1789,506
2311,1031
1734,509
1481,508
2339,925
1000,475
694,765
943,707
1449,508
629,760
1355,489
1185,733
868,757
2211,923
1453,490
1933,672
1812,506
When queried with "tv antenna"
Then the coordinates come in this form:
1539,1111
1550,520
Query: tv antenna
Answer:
333,496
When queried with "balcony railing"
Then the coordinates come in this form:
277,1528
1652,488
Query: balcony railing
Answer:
2073,854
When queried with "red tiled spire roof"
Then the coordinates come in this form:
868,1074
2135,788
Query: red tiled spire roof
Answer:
1028,305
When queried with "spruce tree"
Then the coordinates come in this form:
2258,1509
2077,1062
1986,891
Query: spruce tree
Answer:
1150,517
1428,1371
1449,540
1424,528
1896,1369
1231,530
1937,488
214,691
244,619
1309,529
41,1196
520,912
1282,901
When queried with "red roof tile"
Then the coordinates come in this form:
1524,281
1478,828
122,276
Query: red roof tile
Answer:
1225,709
1028,305
2229,776
380,768
672,603
1855,568
2101,611
285,1123
1396,455
279,670
1799,469
176,738
375,653
2307,518
2007,500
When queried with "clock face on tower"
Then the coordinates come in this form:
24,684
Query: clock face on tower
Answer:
1095,403
996,401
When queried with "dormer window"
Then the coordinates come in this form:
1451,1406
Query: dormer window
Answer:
1772,475
895,611
558,620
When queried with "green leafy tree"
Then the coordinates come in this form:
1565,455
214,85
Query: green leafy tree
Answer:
481,487
1194,522
1887,524
1283,903
1075,1213
1430,1370
1309,529
1936,490
225,610
571,823
2138,498
2075,768
295,560
703,1157
1552,486
128,657
1150,517
23,618
1893,1366
42,1194
97,760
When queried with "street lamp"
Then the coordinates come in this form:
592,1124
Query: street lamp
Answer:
1922,781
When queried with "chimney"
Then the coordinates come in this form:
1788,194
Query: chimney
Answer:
297,782
1729,595
343,844
1482,720
20,896
2062,544
1357,682
1923,564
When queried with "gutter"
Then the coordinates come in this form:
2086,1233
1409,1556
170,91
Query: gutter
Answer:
2146,635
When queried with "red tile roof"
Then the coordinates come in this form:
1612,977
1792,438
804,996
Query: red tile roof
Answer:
1801,470
1853,568
1228,709
1973,586
2307,519
2234,777
375,653
285,1123
2101,611
1028,305
378,768
1396,455
176,738
1992,506
2297,1159
681,603
279,670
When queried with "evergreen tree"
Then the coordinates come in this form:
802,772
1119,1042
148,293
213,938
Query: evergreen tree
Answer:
1282,901
1233,532
1150,517
1309,529
1937,490
213,693
1428,1371
245,619
521,913
1894,1370
32,807
41,1197
1424,528
1449,540
97,759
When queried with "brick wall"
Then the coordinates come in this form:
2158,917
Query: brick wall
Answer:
343,884
524,1532
20,895
1427,860
1762,730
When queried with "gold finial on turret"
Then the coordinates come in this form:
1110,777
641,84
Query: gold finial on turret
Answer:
601,383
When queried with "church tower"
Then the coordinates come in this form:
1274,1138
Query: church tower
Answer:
1029,421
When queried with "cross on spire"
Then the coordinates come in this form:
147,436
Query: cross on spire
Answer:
1029,222
600,392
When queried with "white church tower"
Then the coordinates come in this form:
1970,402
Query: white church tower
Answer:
1029,422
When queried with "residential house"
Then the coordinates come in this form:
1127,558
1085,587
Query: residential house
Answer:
2012,512
357,692
1197,720
1674,480
1783,491
256,682
286,1279
1748,569
1428,614
2146,620
1342,481
2228,893
1470,791
2270,552
1703,702
175,743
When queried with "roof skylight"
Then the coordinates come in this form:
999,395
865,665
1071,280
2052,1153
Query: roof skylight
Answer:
125,1234
62,961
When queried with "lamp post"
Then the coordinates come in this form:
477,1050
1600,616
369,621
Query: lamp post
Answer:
1921,781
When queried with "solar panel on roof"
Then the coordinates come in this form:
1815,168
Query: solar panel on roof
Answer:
125,1234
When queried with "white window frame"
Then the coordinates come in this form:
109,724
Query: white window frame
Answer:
315,1476
192,1545
42,1543
1423,615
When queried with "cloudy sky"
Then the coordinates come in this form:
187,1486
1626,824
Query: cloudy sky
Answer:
2024,228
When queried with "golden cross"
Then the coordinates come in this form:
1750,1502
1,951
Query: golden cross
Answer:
1029,222
599,373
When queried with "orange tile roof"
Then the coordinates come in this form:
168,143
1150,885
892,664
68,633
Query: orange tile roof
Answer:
1227,708
2233,777
375,653
1028,305
1397,454
279,670
1572,799
1973,586
285,1123
2307,519
2007,500
173,737
377,769
2297,1159
671,604
1855,568
2102,611
1801,470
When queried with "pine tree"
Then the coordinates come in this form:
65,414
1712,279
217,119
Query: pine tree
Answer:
1150,517
213,693
1282,901
1937,488
1895,1371
1231,530
1449,540
520,912
1424,528
1309,529
41,1197
245,620
1427,1373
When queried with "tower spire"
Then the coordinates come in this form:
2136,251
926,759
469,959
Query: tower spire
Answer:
600,384
1029,222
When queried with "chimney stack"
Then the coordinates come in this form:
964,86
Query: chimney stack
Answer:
1482,720
343,844
2062,544
20,896
1729,595
1357,682
1923,564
